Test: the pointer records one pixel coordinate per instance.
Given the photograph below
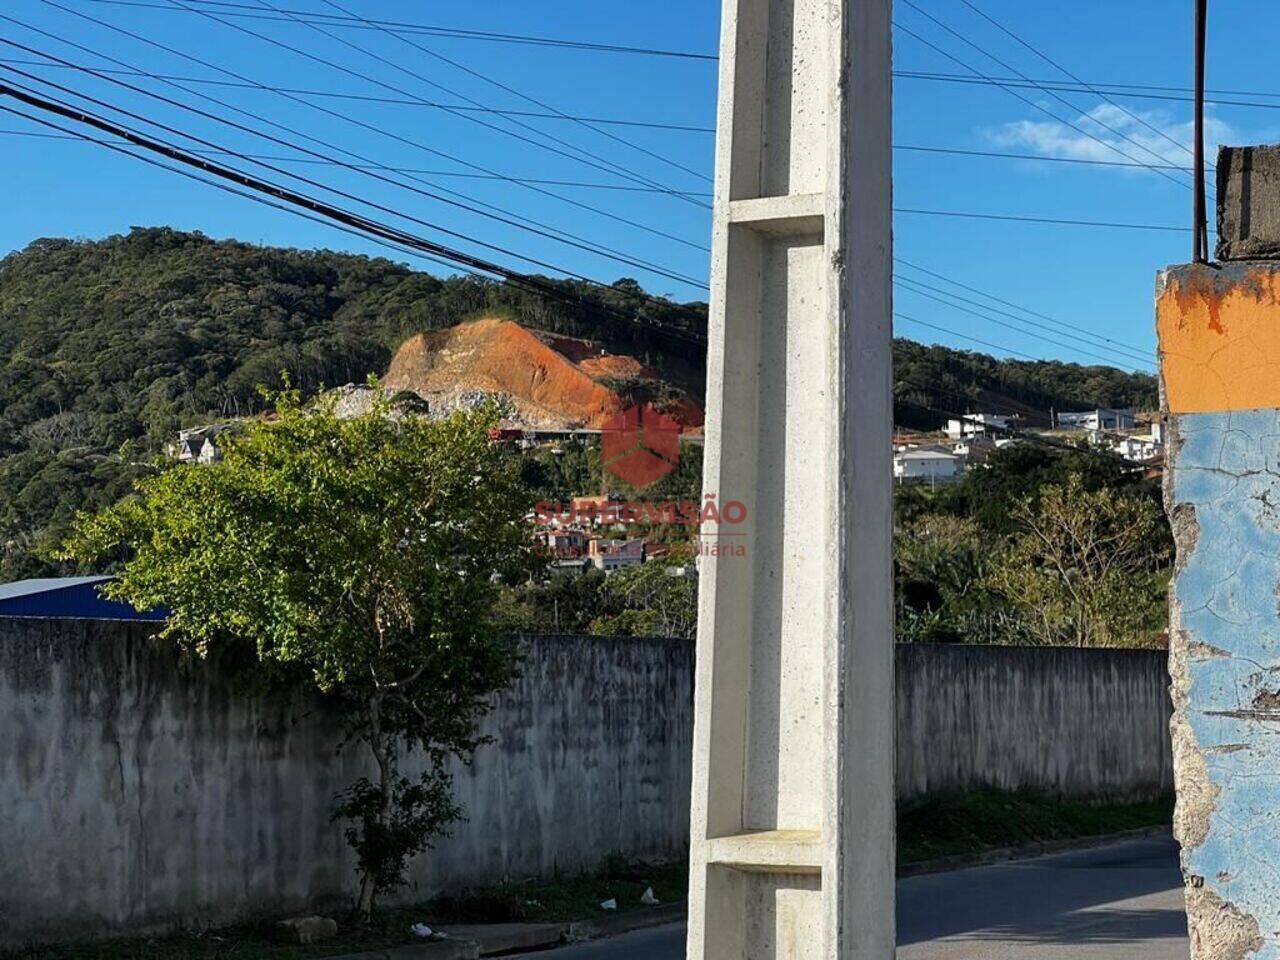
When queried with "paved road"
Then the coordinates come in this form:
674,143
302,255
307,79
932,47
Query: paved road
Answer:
1120,902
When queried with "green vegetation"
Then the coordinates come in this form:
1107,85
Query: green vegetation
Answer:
107,347
358,557
1040,546
928,379
963,825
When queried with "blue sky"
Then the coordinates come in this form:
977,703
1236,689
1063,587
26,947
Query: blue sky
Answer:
1096,279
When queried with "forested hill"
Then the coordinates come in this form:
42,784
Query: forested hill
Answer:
108,346
930,381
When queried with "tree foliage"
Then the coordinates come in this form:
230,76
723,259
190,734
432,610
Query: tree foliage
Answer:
360,555
107,347
1080,569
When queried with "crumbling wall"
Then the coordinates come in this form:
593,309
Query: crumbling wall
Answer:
1220,363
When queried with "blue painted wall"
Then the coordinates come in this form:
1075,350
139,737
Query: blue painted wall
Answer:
1224,495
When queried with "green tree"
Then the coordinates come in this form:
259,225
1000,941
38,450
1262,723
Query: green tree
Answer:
361,555
1085,567
647,601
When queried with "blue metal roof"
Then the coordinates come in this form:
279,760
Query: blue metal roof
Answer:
23,588
67,597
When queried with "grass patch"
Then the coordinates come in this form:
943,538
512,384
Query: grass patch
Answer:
965,824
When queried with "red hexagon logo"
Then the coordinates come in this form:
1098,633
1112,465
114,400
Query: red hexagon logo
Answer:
640,445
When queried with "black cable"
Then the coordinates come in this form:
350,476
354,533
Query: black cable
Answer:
322,208
1107,456
435,173
121,147
1031,103
581,156
1062,328
436,31
536,228
346,118
1062,221
1008,303
951,333
515,92
405,101
909,285
1008,155
1053,63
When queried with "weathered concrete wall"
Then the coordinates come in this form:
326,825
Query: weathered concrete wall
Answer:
133,796
1079,723
1219,333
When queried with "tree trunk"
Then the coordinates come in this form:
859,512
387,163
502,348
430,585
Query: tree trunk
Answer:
381,751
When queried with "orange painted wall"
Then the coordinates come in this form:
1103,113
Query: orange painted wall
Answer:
1219,334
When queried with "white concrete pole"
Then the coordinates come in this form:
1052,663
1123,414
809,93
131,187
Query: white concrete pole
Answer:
792,824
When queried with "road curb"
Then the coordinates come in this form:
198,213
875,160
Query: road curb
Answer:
1027,851
476,941
626,922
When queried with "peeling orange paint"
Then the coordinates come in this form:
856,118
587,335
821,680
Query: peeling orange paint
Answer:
1219,333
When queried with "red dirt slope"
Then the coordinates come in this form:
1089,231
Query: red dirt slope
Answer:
550,382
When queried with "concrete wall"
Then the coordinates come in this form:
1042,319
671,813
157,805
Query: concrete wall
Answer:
135,795
1080,723
1219,329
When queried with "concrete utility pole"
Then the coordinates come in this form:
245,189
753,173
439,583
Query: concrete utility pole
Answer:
792,824
1219,329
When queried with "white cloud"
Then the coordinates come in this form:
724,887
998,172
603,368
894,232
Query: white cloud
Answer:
1107,127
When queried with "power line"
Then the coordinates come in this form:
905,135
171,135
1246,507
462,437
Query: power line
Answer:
417,145
962,336
1062,221
1037,438
911,286
521,223
1053,63
330,212
1008,303
405,101
436,31
1008,155
1072,331
575,153
356,166
514,91
1029,102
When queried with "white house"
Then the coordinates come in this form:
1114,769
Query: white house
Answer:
606,554
926,463
1104,418
976,425
1139,448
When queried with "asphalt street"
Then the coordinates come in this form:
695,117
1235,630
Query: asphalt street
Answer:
1119,902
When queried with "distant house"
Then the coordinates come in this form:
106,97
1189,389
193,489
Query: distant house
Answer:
606,554
1139,448
1104,418
197,444
927,463
67,598
565,544
976,425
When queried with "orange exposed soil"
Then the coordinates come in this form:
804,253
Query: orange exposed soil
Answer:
550,382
